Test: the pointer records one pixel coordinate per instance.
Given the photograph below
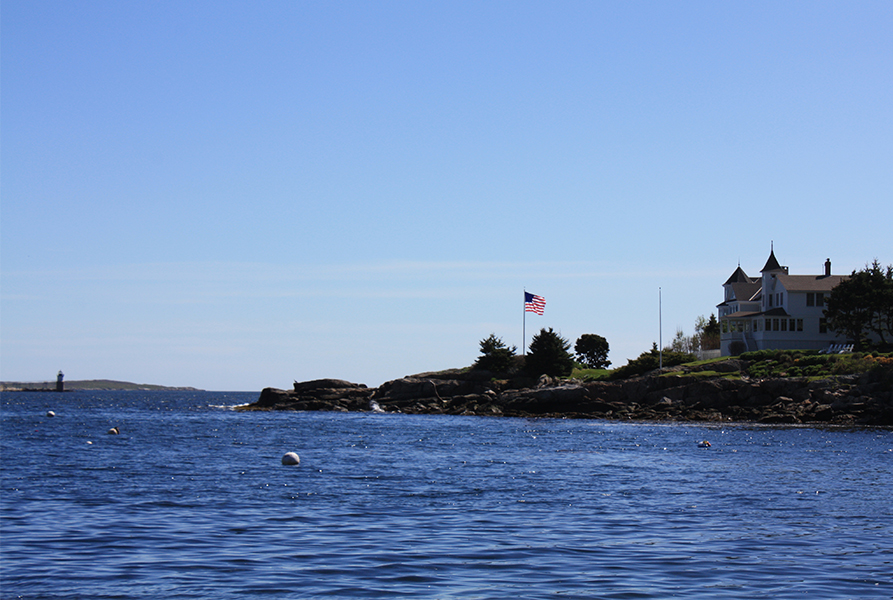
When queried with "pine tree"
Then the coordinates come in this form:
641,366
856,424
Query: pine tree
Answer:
549,355
495,355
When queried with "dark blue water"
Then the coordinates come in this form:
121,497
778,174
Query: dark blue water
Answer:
191,501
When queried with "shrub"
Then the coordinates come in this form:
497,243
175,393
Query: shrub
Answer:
649,361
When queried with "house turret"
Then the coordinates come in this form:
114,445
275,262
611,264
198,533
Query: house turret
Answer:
772,263
777,310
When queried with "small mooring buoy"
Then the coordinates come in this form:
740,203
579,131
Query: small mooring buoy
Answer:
290,458
114,431
51,413
704,444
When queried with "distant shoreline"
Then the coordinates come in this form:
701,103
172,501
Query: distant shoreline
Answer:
88,385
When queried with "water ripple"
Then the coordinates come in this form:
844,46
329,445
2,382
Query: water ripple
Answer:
192,502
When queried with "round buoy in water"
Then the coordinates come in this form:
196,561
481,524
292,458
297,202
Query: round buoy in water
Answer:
704,444
51,413
290,458
114,431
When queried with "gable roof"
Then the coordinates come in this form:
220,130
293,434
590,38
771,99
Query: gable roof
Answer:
810,283
746,292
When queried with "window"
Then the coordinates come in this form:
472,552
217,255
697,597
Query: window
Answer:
799,324
768,325
774,324
810,299
784,324
792,325
819,299
823,325
770,300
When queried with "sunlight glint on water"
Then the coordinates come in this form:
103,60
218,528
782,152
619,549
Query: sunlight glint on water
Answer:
191,501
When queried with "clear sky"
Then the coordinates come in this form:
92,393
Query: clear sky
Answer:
236,195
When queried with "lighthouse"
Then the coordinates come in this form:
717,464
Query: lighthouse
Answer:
59,377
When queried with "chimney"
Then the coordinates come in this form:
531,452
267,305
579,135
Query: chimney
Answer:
827,267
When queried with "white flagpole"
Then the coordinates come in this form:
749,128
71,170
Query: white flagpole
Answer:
524,326
660,326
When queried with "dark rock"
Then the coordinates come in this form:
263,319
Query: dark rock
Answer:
321,394
864,400
316,384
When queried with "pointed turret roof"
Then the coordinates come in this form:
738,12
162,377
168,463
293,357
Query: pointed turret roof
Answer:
739,276
772,263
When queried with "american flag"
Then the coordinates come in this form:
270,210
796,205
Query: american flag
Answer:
534,303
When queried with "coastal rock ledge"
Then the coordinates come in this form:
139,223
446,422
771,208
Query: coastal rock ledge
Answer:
852,400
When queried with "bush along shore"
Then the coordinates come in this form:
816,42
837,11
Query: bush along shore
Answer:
752,388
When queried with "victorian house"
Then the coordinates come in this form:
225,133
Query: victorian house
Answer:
776,310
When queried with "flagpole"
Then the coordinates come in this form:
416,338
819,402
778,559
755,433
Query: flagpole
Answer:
660,326
524,326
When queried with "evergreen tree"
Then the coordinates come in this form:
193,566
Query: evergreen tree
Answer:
710,336
549,355
495,355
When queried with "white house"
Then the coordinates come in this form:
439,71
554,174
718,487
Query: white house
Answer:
776,310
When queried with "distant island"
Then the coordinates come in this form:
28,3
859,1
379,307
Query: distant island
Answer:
87,384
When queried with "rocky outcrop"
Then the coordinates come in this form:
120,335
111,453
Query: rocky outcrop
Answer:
846,400
320,394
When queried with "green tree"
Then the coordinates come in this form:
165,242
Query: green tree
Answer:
495,355
706,335
710,334
862,305
592,351
682,343
549,355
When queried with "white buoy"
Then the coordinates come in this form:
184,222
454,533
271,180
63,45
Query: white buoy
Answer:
114,431
51,413
290,458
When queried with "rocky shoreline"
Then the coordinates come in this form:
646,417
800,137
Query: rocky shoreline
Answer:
849,400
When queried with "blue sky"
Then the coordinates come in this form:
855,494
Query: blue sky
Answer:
235,195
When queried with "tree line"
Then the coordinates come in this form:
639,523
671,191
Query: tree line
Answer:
550,353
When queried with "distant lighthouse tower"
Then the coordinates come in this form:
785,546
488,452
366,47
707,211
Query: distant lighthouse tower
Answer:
59,377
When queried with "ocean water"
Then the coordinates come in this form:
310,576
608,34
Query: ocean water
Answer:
191,501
